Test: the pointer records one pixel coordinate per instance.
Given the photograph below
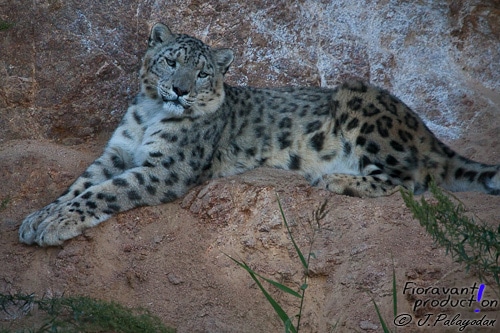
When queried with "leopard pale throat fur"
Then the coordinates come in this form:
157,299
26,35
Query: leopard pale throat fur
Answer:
187,126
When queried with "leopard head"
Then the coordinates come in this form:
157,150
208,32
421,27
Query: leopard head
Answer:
182,74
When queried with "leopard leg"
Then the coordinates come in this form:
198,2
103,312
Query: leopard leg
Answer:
359,186
105,167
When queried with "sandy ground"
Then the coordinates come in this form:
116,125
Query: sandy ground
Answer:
170,258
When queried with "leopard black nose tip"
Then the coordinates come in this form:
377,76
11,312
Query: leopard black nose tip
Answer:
180,91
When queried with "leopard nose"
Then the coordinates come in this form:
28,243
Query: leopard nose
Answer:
179,91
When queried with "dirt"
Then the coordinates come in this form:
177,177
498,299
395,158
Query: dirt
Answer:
171,258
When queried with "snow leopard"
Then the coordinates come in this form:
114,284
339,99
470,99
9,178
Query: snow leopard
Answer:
187,126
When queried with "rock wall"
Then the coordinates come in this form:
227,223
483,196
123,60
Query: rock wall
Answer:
68,69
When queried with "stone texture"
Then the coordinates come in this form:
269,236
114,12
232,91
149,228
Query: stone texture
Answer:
170,258
71,67
68,70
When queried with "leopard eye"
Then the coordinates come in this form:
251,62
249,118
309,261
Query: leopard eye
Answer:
169,62
202,75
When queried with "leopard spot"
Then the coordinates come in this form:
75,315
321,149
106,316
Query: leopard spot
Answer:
107,173
343,118
329,157
364,162
169,137
355,86
367,128
360,141
313,126
450,153
352,124
120,182
259,131
91,204
284,140
486,176
139,177
173,179
384,124
87,195
395,173
294,162
347,148
370,110
195,165
235,149
250,152
397,146
86,174
470,175
137,117
133,195
106,197
390,160
388,102
411,121
126,134
375,173
155,154
405,136
355,103
168,197
114,208
350,192
317,141
372,148
117,162
168,162
181,156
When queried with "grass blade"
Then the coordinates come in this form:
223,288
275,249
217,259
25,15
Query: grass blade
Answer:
394,291
280,286
274,283
277,308
382,322
301,256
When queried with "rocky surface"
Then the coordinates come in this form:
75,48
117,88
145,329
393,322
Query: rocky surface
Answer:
68,71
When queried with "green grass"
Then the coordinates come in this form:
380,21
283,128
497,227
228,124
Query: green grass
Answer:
475,244
288,321
74,314
385,327
4,203
469,241
5,25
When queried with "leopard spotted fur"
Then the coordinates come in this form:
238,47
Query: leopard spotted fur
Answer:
187,126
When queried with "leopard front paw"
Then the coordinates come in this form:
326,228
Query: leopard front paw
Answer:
29,227
62,224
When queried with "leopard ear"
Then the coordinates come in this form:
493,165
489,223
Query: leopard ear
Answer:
223,58
160,33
